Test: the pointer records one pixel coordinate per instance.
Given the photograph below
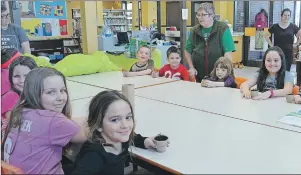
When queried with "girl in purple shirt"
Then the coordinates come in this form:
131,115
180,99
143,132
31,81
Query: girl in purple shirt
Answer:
222,75
40,126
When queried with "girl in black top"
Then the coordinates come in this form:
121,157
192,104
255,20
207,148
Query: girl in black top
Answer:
111,124
284,36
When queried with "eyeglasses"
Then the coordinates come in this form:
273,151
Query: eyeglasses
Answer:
203,15
5,16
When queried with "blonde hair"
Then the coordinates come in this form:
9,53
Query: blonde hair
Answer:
224,63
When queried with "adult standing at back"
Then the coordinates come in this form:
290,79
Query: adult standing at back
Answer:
12,36
208,41
284,33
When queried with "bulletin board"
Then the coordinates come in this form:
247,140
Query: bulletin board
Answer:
44,18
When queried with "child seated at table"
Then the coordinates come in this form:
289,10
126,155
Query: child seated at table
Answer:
40,126
144,66
272,79
7,56
18,70
222,75
111,125
173,70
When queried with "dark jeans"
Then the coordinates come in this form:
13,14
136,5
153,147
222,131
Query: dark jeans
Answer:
288,59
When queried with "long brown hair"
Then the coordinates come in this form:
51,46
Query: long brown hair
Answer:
23,61
225,63
264,73
31,97
97,110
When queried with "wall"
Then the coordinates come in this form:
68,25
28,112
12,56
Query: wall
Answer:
149,12
225,9
109,5
163,14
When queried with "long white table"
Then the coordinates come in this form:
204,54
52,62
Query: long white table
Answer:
115,80
207,143
79,91
222,101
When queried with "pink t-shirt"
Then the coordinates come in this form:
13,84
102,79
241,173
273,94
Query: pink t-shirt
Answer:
5,86
38,147
9,100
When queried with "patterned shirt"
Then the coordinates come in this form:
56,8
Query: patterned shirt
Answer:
137,68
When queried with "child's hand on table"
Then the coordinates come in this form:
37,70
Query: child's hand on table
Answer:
263,96
210,84
150,143
246,94
297,99
155,74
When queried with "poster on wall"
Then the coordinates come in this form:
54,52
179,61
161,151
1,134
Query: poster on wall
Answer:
50,9
26,9
50,27
264,45
63,27
30,24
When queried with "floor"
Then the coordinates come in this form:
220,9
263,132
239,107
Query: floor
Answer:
246,72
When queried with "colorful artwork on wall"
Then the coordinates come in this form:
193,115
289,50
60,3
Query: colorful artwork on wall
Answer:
51,9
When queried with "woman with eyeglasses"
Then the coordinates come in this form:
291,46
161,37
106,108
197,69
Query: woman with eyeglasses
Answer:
208,41
12,36
284,33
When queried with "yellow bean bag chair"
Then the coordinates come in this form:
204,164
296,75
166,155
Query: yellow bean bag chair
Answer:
41,62
80,64
126,63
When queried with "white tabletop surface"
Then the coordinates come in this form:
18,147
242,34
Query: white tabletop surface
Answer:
223,101
78,90
208,143
115,80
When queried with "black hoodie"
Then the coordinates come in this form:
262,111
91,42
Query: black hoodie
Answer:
93,159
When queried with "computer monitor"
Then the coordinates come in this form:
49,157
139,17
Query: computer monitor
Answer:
122,38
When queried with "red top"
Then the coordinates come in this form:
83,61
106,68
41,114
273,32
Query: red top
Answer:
179,73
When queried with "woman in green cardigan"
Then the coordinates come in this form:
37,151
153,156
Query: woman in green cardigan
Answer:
208,41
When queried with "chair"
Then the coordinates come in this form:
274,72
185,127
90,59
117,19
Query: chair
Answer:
9,169
296,90
239,81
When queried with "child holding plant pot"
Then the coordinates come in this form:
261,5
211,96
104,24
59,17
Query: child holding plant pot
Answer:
144,66
222,75
272,79
111,131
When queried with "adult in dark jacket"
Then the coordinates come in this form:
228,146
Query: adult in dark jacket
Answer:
208,41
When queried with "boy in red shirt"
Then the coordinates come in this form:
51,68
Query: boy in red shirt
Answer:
174,70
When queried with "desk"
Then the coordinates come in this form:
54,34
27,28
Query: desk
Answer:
222,101
79,91
115,80
208,143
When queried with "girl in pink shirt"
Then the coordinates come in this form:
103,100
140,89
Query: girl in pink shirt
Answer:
7,56
18,70
40,126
